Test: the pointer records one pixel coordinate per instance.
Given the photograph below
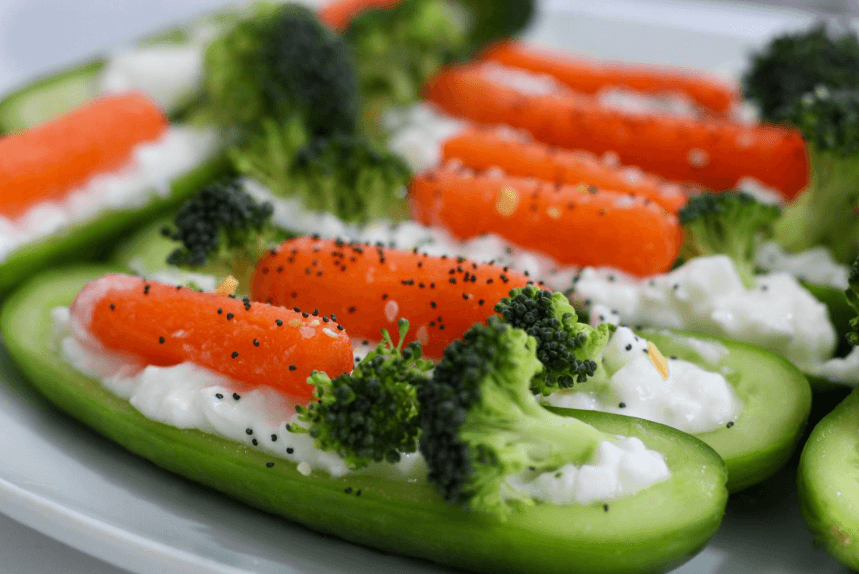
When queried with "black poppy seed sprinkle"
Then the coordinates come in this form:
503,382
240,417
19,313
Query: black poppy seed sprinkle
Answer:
219,396
146,289
274,438
229,316
432,304
358,492
236,396
292,367
234,354
628,346
112,306
348,490
351,309
730,424
255,442
605,507
305,315
278,322
621,406
333,317
326,319
480,302
269,464
315,313
220,310
289,450
256,343
249,431
339,327
160,340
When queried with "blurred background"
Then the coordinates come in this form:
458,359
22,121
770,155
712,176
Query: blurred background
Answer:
39,35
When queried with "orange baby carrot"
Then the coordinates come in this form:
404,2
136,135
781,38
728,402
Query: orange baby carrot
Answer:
254,343
368,288
46,162
337,15
712,152
590,76
519,155
576,225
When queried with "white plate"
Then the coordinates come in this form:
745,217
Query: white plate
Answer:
68,483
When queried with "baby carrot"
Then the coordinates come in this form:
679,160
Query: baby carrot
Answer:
712,152
48,161
252,343
337,15
519,155
368,288
589,76
576,225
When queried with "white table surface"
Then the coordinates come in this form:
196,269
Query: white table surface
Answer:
40,35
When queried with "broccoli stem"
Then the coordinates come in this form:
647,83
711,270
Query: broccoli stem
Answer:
826,212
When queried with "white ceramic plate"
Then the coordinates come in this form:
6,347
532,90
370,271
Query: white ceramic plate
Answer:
68,483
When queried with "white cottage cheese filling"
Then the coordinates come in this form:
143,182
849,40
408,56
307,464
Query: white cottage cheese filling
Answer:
149,173
707,295
815,265
691,399
190,396
614,470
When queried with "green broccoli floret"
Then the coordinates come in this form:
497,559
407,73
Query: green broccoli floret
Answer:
794,64
370,415
224,230
341,174
286,88
565,347
827,211
480,422
728,223
852,294
279,65
398,49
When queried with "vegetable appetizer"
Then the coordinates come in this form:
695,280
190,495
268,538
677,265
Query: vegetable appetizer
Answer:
508,300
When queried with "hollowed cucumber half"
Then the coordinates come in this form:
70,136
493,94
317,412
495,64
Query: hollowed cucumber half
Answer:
776,400
828,482
627,535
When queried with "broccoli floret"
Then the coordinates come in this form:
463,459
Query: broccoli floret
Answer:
565,347
279,65
341,174
480,422
399,48
826,213
728,223
852,294
796,63
371,414
224,229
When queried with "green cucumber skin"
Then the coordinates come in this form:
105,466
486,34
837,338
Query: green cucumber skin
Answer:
828,482
82,240
391,515
49,97
776,401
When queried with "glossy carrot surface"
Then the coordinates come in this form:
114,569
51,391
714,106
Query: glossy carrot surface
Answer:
46,162
369,288
254,343
576,225
520,155
713,153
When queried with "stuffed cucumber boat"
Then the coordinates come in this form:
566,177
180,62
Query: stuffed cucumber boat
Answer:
394,515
